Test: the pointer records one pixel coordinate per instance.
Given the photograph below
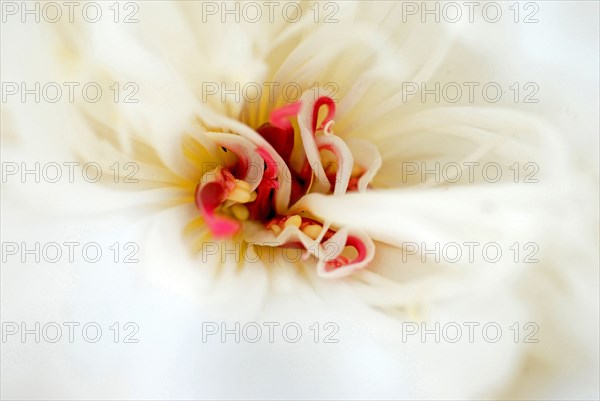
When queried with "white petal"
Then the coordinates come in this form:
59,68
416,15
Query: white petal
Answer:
345,161
367,156
246,150
335,246
308,139
397,216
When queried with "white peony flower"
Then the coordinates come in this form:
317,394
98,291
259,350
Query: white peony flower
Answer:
245,202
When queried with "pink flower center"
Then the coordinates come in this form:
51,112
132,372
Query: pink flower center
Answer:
228,196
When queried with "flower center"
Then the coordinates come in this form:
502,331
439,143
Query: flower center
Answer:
254,191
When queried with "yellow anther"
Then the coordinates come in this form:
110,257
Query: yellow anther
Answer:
331,168
240,211
239,195
293,221
312,231
327,157
276,229
242,184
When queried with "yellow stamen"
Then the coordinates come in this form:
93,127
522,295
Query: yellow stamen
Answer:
242,184
240,211
331,168
293,221
239,195
312,231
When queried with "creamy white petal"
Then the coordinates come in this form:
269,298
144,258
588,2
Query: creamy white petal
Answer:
244,149
367,156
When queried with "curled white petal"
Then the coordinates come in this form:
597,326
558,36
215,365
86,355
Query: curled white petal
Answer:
334,247
257,234
308,139
282,195
344,160
366,155
244,149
